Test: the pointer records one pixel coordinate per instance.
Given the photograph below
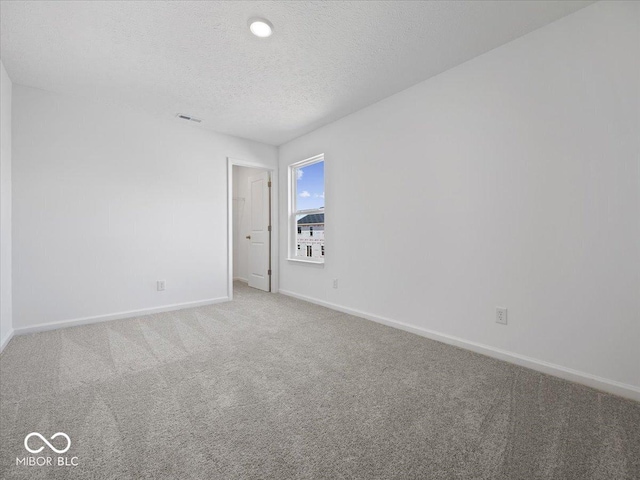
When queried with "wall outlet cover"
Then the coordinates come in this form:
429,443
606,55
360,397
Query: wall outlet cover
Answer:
501,315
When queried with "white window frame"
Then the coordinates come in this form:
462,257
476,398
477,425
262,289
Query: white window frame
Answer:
293,212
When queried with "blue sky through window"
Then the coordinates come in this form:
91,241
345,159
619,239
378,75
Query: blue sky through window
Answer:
310,186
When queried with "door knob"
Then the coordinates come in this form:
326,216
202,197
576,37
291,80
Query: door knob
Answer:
248,237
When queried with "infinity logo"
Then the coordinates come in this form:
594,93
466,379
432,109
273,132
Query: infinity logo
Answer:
36,434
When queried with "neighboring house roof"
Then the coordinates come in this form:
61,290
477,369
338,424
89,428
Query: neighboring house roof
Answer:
311,219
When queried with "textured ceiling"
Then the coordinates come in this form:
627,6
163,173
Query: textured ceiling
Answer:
324,60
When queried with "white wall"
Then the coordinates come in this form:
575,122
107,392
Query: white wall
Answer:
511,180
240,222
5,208
109,200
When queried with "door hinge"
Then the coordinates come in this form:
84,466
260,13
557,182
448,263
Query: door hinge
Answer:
269,228
268,272
269,184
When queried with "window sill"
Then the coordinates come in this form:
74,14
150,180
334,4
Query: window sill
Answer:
308,262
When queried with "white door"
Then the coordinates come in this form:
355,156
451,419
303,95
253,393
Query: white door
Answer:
259,236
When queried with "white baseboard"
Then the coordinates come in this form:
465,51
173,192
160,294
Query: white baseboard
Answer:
41,327
5,341
611,386
244,280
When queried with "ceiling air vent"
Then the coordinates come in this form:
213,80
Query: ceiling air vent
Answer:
189,118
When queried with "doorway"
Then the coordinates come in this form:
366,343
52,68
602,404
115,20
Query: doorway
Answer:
251,226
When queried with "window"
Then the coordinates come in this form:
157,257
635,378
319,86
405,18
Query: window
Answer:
306,208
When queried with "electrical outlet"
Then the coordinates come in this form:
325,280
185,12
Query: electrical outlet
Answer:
161,284
335,283
501,315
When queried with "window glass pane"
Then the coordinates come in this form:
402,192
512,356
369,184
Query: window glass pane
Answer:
310,245
310,186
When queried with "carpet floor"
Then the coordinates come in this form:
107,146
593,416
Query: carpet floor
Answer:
268,386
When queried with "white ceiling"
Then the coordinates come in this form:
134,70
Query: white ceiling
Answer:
324,60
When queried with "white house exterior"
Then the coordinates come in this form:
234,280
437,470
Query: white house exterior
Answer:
310,237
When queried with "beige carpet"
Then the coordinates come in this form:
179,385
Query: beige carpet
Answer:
271,387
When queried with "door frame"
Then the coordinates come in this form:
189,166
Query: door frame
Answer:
273,173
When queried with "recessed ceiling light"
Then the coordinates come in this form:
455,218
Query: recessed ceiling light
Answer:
261,27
